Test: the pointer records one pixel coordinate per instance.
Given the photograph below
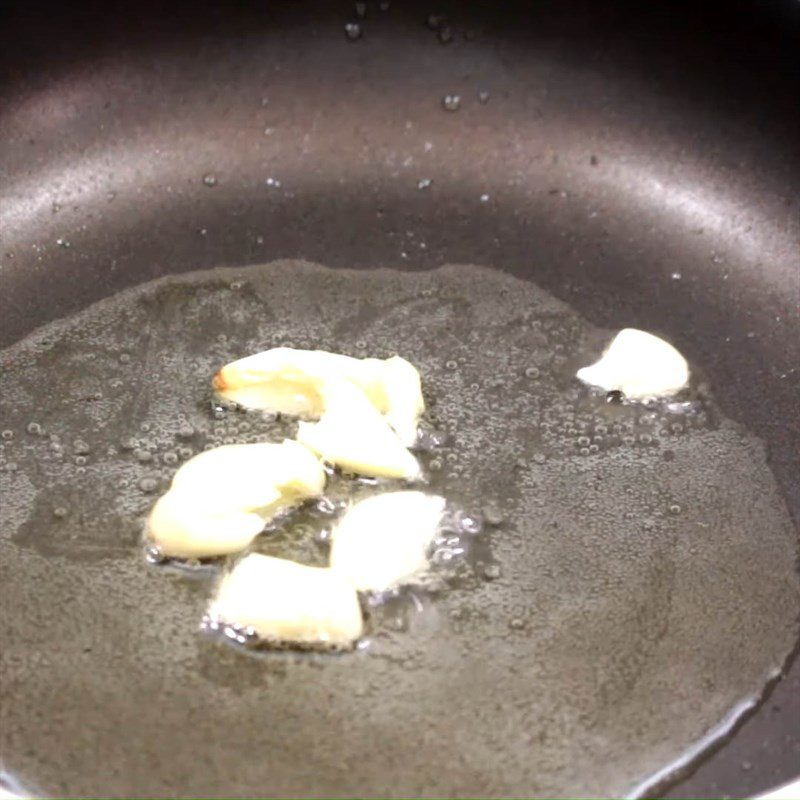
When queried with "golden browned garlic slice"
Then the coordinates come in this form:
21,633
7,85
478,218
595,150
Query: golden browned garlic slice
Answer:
287,602
353,435
220,499
638,364
289,381
383,541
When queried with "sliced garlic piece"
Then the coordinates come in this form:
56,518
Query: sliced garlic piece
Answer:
403,404
287,602
284,380
183,529
383,541
220,500
244,475
638,364
288,381
353,435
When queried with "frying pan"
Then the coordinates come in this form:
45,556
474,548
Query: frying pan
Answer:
642,163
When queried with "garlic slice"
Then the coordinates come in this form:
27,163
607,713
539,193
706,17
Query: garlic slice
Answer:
287,602
639,365
352,435
220,500
289,381
402,397
383,541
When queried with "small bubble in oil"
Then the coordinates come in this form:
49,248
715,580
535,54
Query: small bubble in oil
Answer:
398,623
154,554
431,440
185,431
352,30
442,556
148,484
445,34
435,21
468,523
326,505
493,514
451,102
210,179
323,535
208,624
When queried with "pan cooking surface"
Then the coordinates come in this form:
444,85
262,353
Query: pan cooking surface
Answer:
638,161
637,595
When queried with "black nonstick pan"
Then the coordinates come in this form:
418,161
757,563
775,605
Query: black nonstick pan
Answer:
640,162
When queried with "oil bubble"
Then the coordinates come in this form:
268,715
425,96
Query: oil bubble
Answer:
148,484
451,102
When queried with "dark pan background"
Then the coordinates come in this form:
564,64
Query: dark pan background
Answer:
680,122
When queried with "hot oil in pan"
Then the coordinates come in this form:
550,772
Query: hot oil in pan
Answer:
633,590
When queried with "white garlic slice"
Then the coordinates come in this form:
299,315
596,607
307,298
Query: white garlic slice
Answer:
402,394
383,541
289,381
638,364
353,435
220,500
182,529
287,602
